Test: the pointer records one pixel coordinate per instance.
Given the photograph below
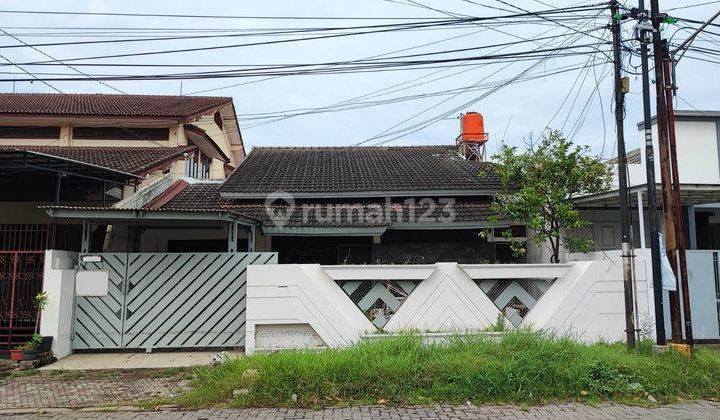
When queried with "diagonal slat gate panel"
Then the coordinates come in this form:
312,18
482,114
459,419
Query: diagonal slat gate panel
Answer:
98,320
168,300
187,300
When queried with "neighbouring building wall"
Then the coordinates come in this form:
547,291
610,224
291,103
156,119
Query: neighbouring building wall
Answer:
697,151
605,229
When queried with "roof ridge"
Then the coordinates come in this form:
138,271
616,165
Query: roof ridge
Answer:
353,147
145,95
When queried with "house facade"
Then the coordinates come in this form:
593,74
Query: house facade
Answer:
344,205
698,148
90,150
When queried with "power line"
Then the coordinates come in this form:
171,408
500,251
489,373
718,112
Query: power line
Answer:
693,5
354,67
421,125
166,15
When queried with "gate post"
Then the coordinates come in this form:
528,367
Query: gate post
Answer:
58,316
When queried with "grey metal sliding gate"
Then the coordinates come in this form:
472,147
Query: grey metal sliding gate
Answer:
166,300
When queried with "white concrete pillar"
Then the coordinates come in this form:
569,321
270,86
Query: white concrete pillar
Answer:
217,169
177,169
65,137
59,284
641,219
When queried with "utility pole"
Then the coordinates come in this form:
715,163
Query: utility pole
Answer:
680,234
627,251
670,90
670,216
650,175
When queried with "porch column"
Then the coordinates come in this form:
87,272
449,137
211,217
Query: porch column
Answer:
251,239
232,236
641,219
58,184
86,233
691,233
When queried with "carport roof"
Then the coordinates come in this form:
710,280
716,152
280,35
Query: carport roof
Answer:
14,159
132,160
690,194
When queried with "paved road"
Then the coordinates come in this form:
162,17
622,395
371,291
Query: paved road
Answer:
694,410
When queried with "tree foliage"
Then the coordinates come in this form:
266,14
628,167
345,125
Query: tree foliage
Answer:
540,183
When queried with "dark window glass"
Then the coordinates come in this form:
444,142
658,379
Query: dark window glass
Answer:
121,133
28,132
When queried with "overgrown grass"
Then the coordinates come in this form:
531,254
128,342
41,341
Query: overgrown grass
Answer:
523,368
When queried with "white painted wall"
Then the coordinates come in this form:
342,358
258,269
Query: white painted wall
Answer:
585,301
293,296
59,283
697,151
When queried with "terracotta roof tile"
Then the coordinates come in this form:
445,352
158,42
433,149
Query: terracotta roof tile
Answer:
80,104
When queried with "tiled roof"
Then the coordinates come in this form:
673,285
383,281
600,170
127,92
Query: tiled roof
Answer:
135,160
80,104
346,170
633,156
205,196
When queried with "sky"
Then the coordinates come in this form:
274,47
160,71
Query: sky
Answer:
513,113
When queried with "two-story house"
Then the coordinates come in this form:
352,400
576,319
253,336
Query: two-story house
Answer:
96,149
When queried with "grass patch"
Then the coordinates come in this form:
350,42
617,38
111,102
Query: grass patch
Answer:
522,368
23,373
174,372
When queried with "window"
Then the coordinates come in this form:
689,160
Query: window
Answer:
29,132
121,133
198,167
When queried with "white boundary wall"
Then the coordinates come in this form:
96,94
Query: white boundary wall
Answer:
302,306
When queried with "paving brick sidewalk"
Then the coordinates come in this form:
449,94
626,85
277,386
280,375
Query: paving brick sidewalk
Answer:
694,410
89,388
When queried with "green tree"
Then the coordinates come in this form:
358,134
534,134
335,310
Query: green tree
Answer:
540,183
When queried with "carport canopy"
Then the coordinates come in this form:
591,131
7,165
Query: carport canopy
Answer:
156,217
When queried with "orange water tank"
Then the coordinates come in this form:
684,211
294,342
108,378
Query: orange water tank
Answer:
473,128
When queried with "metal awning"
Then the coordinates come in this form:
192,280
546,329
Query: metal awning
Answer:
118,215
323,231
14,160
690,194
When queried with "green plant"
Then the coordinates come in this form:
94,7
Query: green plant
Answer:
539,186
516,247
41,301
607,379
499,324
32,345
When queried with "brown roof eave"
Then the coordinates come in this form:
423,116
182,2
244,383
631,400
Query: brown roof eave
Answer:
167,159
